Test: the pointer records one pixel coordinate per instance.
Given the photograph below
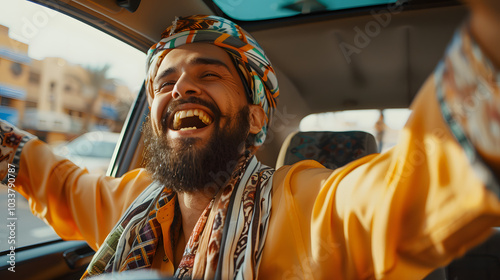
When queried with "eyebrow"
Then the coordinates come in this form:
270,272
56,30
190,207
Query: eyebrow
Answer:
196,61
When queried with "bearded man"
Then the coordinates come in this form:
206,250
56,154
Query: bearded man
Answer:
212,92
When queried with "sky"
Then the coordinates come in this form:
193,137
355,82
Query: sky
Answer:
50,34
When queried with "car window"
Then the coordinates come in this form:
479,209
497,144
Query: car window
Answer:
68,84
385,124
85,148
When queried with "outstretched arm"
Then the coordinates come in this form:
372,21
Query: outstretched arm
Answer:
77,204
400,214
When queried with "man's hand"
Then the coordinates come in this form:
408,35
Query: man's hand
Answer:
11,138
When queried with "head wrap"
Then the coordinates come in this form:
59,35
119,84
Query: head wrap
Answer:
262,82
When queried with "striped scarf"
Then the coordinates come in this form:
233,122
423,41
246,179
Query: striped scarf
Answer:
217,248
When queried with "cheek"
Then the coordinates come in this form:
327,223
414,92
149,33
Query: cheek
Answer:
229,96
158,105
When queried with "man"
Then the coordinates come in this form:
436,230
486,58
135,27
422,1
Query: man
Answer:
212,91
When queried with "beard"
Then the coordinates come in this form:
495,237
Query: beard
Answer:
185,167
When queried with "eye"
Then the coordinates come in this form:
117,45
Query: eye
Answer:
167,84
210,75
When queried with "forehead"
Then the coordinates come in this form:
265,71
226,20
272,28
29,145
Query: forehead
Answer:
190,53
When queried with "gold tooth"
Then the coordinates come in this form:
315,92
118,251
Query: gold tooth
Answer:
176,120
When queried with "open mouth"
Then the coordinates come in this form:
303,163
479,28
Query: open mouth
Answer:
191,119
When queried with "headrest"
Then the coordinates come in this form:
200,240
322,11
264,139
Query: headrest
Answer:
332,149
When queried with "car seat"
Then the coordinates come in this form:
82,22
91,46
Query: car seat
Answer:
332,149
335,149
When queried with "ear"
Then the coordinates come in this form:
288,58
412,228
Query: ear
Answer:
257,118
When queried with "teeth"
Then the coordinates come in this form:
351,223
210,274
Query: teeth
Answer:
204,117
206,120
177,120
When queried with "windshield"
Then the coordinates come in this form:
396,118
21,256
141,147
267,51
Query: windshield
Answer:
251,10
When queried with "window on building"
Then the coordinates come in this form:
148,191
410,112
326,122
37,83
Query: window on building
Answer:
30,104
5,101
34,78
66,52
52,86
16,69
67,88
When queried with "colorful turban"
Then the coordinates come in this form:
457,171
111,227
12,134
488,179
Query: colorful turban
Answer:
237,42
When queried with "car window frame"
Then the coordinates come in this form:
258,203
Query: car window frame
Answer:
127,156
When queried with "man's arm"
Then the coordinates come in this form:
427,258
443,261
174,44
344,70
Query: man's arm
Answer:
401,214
396,215
78,205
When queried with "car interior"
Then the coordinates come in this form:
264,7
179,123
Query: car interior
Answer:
366,57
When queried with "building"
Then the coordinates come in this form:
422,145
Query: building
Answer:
54,99
14,72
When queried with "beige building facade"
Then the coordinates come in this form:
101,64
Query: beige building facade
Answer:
54,99
14,73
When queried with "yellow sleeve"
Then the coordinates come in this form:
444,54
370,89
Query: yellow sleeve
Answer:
396,215
78,205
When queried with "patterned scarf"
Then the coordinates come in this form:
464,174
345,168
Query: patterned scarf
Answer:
217,248
468,91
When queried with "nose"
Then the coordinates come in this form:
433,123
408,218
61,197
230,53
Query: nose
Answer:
184,87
